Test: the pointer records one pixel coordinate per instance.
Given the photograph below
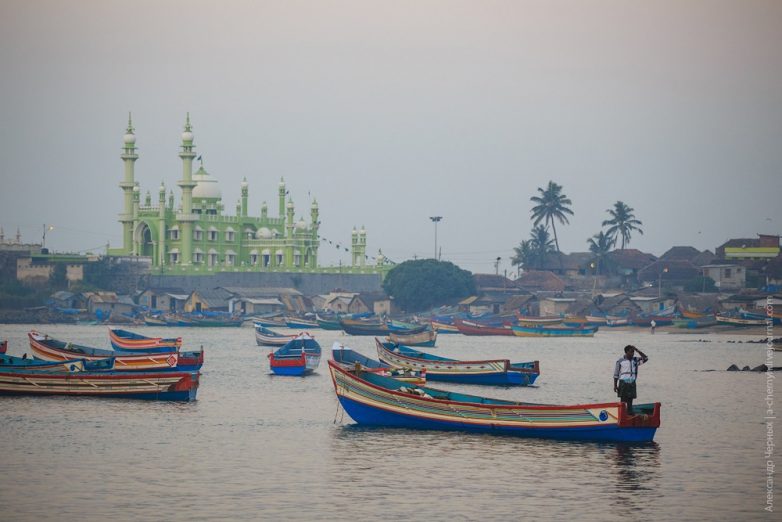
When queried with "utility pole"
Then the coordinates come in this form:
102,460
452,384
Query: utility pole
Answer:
435,220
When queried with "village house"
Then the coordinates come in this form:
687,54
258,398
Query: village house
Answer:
726,276
166,299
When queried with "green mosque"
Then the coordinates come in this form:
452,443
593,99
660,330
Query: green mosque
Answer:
198,237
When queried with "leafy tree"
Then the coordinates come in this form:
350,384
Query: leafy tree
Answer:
622,223
542,245
551,206
701,284
59,276
424,283
600,245
523,256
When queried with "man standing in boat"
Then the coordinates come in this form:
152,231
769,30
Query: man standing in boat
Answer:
625,375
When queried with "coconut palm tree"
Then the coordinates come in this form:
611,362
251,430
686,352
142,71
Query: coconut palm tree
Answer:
524,256
600,245
541,244
551,206
622,223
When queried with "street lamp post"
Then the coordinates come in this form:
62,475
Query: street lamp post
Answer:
435,220
660,281
46,228
497,265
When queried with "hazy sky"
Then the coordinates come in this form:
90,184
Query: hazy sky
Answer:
390,112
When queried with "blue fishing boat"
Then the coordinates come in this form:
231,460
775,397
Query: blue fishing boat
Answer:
300,356
499,372
553,331
349,358
10,363
375,400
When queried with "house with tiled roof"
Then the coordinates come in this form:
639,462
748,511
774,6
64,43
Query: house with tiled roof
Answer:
540,280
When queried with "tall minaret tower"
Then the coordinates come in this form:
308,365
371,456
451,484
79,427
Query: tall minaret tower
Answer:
245,191
315,240
281,192
186,217
129,158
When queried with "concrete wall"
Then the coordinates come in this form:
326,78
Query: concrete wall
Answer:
307,284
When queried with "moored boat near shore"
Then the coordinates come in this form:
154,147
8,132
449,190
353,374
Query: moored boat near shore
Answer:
473,328
300,324
374,400
45,348
348,358
123,340
267,337
554,331
740,321
488,372
444,328
298,357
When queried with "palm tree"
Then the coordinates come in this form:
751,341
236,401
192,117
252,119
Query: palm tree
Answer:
622,223
524,256
600,245
551,206
541,244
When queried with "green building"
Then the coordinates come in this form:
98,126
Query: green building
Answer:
198,237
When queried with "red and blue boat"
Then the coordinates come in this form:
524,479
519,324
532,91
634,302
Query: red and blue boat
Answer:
374,400
299,356
498,372
125,341
45,348
554,331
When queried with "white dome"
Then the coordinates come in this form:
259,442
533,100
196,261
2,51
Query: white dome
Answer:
129,138
187,136
206,185
301,225
263,233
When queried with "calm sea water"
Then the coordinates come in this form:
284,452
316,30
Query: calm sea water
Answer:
256,446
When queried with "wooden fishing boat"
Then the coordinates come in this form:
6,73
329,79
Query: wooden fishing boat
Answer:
615,323
299,356
10,363
528,320
349,358
266,337
47,349
473,328
491,372
213,321
154,321
328,324
427,338
701,322
374,400
692,315
659,320
554,331
297,323
358,327
401,326
596,320
444,328
164,386
740,321
269,322
125,341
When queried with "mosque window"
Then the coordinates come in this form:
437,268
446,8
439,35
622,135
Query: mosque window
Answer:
211,234
211,258
279,256
198,233
173,233
173,256
229,234
254,257
230,258
198,256
266,258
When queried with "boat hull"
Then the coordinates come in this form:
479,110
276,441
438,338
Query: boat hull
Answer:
181,386
124,341
375,405
523,331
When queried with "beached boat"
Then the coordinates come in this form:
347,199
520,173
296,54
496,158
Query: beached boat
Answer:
596,320
427,338
554,331
528,320
374,400
328,324
740,321
490,372
299,356
266,337
473,328
349,358
164,386
9,363
300,324
617,322
125,341
269,322
47,349
701,322
692,315
217,321
150,320
375,328
444,328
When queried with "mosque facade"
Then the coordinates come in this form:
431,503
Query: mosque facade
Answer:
198,236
